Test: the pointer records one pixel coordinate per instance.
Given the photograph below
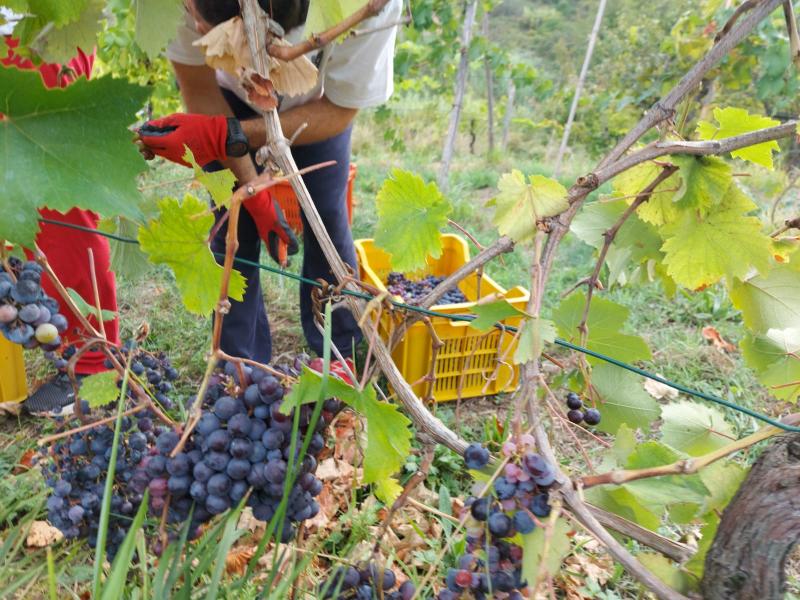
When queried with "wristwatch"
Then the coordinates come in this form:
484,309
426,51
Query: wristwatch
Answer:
236,143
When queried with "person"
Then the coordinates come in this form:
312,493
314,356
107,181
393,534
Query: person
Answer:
353,75
67,252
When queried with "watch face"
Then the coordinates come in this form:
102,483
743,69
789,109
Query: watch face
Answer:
237,148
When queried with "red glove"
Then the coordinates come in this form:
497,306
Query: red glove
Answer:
205,135
272,226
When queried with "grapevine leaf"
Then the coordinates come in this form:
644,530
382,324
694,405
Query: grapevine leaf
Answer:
660,208
696,564
87,309
594,219
736,121
606,319
661,493
520,204
179,239
666,571
694,428
388,433
493,312
623,400
156,24
100,389
704,181
324,14
58,44
769,301
621,501
775,356
699,252
127,260
49,136
722,479
535,333
410,215
218,183
533,547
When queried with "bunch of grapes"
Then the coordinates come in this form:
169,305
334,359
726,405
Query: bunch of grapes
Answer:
399,285
153,369
491,566
28,316
346,583
580,414
77,477
242,443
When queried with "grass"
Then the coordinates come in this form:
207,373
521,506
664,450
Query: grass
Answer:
670,326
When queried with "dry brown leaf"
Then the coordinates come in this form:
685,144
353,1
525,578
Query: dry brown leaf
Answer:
292,78
712,335
10,409
26,462
42,534
658,390
237,559
248,522
260,91
226,47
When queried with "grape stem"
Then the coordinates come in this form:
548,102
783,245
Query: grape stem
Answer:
687,466
96,293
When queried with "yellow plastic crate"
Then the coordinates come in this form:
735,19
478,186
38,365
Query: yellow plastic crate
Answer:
470,363
13,387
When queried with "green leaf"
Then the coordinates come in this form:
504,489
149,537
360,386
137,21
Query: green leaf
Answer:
605,322
128,260
699,252
769,301
59,44
696,564
179,238
660,208
47,139
533,546
775,356
324,14
410,215
100,389
493,312
520,204
736,121
219,184
535,333
660,493
156,24
622,502
722,479
87,309
623,400
666,571
694,428
704,181
388,432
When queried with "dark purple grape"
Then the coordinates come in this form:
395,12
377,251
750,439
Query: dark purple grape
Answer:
219,484
238,468
476,456
499,524
591,416
575,416
574,401
523,522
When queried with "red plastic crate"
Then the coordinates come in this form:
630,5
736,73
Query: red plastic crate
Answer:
291,208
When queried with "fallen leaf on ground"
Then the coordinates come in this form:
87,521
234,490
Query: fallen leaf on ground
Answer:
712,335
237,559
659,391
42,534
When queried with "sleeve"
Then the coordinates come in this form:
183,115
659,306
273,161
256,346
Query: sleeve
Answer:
180,50
360,71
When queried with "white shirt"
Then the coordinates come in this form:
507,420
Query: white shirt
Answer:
356,73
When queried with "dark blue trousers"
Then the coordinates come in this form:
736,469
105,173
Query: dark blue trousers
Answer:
245,329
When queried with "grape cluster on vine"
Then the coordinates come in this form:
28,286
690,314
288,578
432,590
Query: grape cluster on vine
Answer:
241,445
28,316
364,583
399,285
491,566
578,413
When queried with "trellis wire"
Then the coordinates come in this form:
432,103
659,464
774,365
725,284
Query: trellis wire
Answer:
431,313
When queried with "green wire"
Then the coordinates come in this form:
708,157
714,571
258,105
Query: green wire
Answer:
431,313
